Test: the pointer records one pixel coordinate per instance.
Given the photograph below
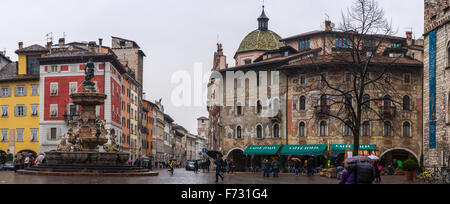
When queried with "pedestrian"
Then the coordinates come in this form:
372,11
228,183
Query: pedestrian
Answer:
310,166
219,166
27,162
196,166
150,165
348,176
365,173
230,166
225,164
297,167
208,164
16,163
377,172
267,166
275,168
130,162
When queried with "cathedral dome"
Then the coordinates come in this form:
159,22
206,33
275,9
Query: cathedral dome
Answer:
261,39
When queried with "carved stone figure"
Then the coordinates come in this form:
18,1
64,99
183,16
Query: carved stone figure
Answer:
89,74
63,146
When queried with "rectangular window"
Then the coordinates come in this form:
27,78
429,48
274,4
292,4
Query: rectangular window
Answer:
34,90
20,111
303,80
54,110
34,110
53,133
4,111
54,89
4,135
33,65
342,43
396,45
19,135
304,44
20,91
33,134
54,68
73,87
407,78
72,110
5,92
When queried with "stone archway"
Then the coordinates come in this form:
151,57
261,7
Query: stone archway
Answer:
33,153
238,158
397,153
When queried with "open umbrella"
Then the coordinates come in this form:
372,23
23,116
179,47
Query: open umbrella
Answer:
357,159
213,153
373,157
296,159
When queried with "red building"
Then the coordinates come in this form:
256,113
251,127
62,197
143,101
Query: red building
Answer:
62,73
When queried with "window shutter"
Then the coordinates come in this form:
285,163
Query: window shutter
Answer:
16,90
25,91
24,110
15,111
49,130
8,92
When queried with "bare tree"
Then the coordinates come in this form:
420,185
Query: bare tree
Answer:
359,43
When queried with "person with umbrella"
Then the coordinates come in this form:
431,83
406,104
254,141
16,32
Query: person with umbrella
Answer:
348,176
297,166
267,166
365,172
310,166
219,167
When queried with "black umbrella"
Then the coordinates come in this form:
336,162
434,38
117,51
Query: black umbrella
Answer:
213,153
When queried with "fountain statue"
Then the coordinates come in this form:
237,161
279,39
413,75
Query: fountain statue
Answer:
79,149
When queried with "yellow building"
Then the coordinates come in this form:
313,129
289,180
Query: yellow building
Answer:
19,101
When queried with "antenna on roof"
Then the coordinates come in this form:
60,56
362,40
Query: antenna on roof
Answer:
49,37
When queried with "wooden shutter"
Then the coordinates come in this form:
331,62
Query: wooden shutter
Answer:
24,110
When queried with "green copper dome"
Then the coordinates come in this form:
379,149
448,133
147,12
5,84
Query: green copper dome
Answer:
260,40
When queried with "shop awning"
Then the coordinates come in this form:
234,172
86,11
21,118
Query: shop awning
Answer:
262,150
301,150
340,148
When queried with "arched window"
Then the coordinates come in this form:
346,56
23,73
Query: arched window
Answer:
366,129
366,101
259,107
302,129
302,103
276,131
259,132
406,103
323,129
239,132
347,130
387,129
406,129
323,100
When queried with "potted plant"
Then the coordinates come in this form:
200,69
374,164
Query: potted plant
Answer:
410,168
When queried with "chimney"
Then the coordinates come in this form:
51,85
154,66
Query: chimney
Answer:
100,45
62,42
409,37
328,26
49,45
20,45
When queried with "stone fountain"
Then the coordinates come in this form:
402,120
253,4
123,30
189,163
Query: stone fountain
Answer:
79,151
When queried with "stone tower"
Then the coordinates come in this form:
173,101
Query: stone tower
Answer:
436,145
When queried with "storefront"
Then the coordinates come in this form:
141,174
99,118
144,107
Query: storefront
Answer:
305,152
255,155
364,150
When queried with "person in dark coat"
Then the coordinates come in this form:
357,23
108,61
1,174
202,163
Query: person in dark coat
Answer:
365,173
275,168
267,166
230,167
208,164
196,166
297,167
310,167
219,167
348,175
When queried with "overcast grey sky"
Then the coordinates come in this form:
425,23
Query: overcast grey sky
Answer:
175,34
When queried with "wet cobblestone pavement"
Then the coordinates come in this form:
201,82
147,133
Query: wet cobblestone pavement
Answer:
181,176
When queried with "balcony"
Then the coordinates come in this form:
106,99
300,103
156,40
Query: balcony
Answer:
388,112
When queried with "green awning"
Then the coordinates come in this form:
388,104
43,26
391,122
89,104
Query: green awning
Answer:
340,148
262,150
300,150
